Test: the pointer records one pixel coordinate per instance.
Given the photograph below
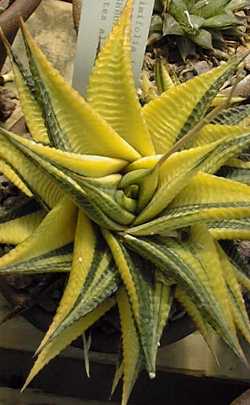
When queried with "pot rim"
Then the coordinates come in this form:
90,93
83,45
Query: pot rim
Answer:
101,342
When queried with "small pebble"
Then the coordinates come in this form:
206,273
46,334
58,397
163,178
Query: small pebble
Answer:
245,248
202,67
247,63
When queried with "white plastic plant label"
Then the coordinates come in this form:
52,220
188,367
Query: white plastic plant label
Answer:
97,19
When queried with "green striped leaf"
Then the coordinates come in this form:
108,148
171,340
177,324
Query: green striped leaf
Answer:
163,79
206,198
132,352
196,315
162,301
239,262
137,276
72,123
179,265
84,243
93,279
14,178
174,173
37,181
233,115
230,229
85,165
173,114
17,230
227,149
55,261
106,200
94,200
59,228
67,336
212,133
98,193
30,106
204,249
236,172
236,299
201,323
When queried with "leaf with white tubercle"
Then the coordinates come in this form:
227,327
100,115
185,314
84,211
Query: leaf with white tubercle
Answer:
132,352
140,288
178,264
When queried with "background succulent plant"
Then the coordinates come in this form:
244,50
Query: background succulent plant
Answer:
127,201
202,22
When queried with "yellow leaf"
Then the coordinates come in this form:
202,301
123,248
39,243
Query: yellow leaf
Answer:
111,90
36,180
174,173
82,130
67,336
56,230
170,116
17,230
84,248
237,300
124,270
86,165
212,133
205,198
131,345
30,106
206,252
230,229
13,177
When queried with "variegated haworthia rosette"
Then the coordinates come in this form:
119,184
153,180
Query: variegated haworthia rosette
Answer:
127,201
201,22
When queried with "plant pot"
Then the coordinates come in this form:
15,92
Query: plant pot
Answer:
105,335
9,21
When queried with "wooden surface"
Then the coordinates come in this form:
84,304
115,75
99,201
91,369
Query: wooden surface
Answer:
32,397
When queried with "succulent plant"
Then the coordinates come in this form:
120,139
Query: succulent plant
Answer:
127,201
201,22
